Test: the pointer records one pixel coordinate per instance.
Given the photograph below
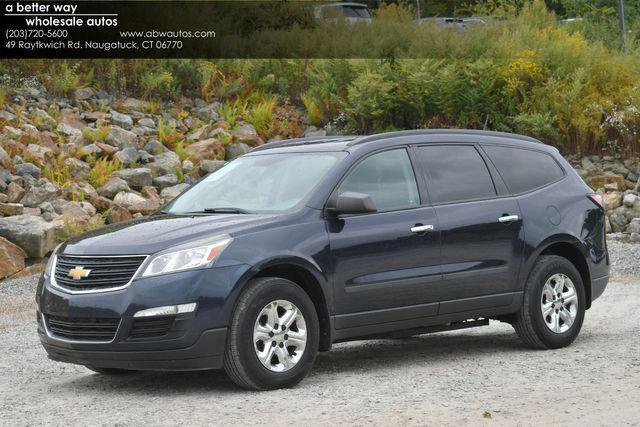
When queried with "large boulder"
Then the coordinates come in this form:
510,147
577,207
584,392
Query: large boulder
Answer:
630,200
247,134
164,181
80,190
5,160
23,169
71,125
112,187
146,207
12,259
155,147
79,169
117,213
208,112
15,192
147,122
602,181
82,94
208,166
38,152
208,149
313,131
165,163
128,156
89,150
32,233
136,178
236,150
106,149
612,200
123,120
122,138
171,193
11,209
70,209
128,199
40,192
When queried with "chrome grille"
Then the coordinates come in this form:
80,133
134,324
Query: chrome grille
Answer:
82,329
104,272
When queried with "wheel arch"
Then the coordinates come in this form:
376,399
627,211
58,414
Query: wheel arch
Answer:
310,278
573,250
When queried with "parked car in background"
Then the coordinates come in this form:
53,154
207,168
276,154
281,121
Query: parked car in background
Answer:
458,24
303,243
350,12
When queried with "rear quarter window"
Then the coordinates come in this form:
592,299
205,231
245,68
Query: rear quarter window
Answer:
524,170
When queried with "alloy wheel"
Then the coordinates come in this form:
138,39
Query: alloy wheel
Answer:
279,336
559,303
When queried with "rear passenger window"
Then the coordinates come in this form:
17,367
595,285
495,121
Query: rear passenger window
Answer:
524,170
388,178
456,173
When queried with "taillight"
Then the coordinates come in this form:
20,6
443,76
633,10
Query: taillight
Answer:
597,199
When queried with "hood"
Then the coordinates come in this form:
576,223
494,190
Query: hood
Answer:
148,235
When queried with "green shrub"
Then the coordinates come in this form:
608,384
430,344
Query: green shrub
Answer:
159,84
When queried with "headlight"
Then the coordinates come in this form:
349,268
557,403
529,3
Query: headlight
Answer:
48,269
186,259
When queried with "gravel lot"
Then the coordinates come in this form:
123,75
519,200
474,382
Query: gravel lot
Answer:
481,376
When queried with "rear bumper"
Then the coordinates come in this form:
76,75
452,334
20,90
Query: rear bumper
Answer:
204,354
598,286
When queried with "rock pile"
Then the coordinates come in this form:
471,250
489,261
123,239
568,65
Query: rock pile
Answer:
71,164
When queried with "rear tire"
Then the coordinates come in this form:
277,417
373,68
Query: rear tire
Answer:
553,305
261,354
109,371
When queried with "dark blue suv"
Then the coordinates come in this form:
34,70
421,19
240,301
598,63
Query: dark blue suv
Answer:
303,243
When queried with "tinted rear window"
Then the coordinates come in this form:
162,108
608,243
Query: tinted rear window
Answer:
524,170
456,173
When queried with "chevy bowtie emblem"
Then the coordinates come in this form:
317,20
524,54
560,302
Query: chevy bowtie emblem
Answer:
78,273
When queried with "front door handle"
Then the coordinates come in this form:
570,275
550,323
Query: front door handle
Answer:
508,218
421,228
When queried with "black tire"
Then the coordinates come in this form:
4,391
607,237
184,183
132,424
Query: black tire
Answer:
109,371
240,360
529,322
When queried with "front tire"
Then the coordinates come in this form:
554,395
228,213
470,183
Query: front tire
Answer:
273,336
553,304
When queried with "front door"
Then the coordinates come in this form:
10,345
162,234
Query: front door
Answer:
481,231
383,261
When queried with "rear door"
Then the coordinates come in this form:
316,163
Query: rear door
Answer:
480,225
384,262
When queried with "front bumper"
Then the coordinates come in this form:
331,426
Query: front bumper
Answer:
194,341
206,353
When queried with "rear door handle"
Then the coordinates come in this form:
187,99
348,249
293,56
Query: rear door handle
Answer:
508,218
421,228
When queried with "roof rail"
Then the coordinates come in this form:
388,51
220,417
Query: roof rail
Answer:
303,141
387,135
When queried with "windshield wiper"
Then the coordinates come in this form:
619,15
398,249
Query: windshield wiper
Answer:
222,210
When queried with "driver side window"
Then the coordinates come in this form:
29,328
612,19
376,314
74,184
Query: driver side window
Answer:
388,178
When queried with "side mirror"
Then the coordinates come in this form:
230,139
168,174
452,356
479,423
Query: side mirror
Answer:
351,203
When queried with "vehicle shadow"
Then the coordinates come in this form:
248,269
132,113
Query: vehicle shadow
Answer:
348,358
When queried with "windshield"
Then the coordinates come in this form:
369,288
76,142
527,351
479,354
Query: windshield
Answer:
268,183
356,12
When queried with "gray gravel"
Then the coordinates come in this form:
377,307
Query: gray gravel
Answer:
625,258
448,378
